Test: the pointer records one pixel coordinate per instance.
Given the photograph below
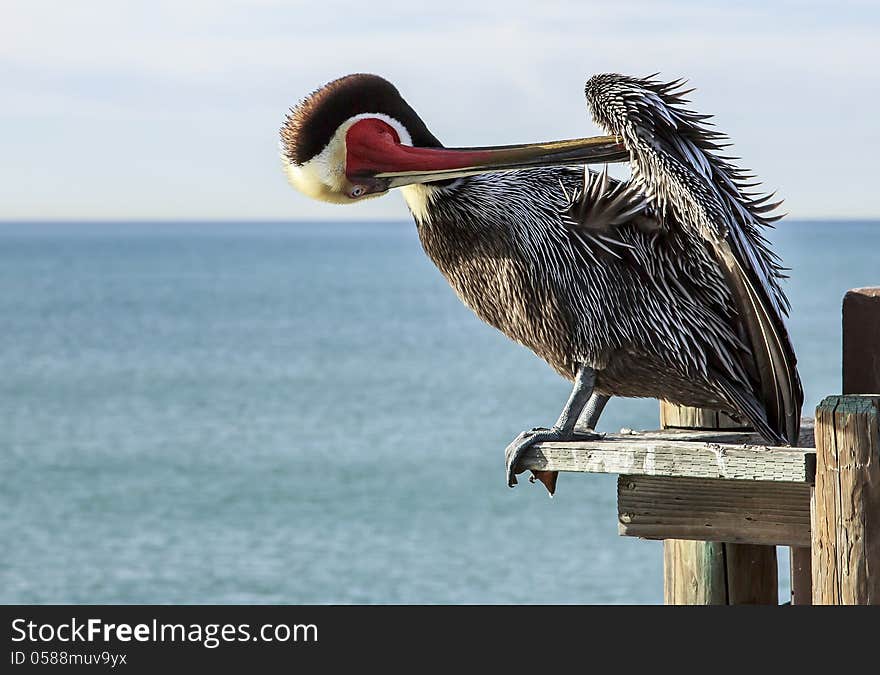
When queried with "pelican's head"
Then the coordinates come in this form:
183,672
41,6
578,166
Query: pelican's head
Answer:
356,138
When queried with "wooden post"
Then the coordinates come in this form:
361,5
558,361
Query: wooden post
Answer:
845,437
846,502
801,575
861,375
861,341
682,417
694,573
712,573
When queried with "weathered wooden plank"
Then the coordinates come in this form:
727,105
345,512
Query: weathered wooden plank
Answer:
861,333
846,513
667,453
753,512
722,436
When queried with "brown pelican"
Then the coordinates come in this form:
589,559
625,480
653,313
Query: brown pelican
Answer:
661,286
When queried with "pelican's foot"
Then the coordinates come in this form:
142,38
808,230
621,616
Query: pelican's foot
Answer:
527,439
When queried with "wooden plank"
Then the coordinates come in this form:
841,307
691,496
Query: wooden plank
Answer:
723,436
861,333
694,573
846,542
664,453
658,507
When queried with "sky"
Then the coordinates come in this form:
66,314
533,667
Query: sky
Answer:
171,109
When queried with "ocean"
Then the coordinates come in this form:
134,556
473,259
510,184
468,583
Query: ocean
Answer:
305,413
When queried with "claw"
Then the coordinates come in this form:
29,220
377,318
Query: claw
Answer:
525,440
513,452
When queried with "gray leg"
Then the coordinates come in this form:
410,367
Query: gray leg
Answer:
589,416
563,430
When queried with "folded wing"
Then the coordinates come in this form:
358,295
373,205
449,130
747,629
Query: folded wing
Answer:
676,165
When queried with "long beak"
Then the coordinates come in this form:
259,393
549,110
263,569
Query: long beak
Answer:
403,164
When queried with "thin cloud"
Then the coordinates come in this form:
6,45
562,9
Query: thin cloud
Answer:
212,79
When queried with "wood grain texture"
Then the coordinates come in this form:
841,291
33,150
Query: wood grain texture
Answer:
679,453
846,506
683,417
729,573
769,513
824,507
693,573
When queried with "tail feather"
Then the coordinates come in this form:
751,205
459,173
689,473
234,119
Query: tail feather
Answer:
752,409
775,361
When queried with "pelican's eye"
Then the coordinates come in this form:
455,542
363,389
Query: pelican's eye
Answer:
357,191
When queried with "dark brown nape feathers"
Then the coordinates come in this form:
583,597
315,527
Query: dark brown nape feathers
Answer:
310,125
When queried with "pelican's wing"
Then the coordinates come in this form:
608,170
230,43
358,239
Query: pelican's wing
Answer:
689,186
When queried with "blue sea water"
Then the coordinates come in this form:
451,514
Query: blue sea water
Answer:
305,413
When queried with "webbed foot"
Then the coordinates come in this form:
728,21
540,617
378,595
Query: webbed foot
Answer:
527,439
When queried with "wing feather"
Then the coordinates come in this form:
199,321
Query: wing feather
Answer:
690,187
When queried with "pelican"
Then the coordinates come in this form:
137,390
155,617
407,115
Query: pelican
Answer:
660,286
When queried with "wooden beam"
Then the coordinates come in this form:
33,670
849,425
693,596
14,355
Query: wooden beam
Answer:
846,505
681,454
655,507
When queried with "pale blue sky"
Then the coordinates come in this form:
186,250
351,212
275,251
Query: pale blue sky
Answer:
163,109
